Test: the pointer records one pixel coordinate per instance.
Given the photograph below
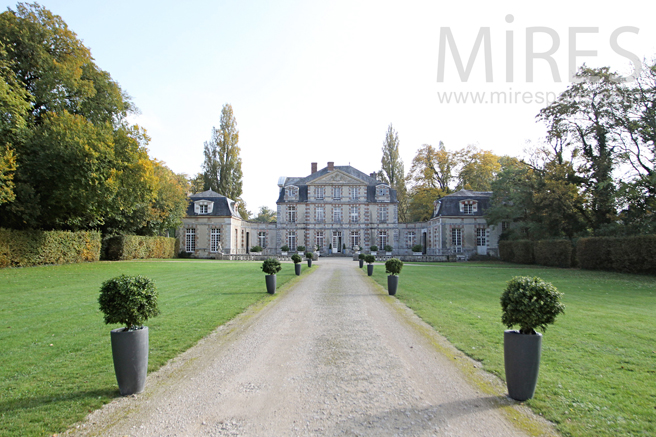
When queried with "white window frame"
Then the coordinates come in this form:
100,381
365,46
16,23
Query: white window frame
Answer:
354,193
190,240
481,237
337,192
203,208
456,239
320,239
354,214
411,236
382,240
215,239
261,239
291,241
383,214
291,213
337,214
318,192
321,214
355,238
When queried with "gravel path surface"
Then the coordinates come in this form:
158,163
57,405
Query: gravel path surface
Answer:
331,356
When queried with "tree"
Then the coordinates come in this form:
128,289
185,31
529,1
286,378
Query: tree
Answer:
392,172
433,168
422,202
584,117
478,168
222,167
266,215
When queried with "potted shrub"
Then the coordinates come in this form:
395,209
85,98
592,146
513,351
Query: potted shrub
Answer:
271,266
388,249
393,266
532,304
300,248
256,250
370,259
417,249
130,301
284,249
361,259
297,266
309,256
374,250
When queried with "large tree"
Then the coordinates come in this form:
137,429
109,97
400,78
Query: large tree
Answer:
392,171
222,166
477,169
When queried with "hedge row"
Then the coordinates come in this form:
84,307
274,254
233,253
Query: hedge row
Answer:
517,251
124,247
30,248
627,255
556,253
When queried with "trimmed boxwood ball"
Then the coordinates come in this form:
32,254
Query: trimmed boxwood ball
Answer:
256,249
271,266
417,248
128,300
361,256
296,258
530,303
285,248
393,266
369,259
373,248
309,255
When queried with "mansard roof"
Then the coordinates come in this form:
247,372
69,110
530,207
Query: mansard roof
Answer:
351,176
449,206
223,206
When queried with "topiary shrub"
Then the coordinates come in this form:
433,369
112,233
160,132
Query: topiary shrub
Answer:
296,258
373,248
256,249
417,248
369,259
393,266
128,300
361,256
388,248
271,266
285,248
300,248
309,255
530,303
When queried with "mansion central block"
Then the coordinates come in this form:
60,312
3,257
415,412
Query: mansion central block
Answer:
337,209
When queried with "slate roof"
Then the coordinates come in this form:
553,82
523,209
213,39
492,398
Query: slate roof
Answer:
302,184
223,206
449,206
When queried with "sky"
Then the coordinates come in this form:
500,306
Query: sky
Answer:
318,81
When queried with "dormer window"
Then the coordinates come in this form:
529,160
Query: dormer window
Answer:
468,207
203,207
291,192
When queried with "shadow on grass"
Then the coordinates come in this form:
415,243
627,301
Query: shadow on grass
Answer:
27,403
414,421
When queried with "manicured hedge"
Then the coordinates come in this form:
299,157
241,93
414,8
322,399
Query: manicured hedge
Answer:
30,248
555,253
124,247
517,251
628,255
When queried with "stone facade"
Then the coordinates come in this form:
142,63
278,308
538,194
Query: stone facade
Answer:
338,209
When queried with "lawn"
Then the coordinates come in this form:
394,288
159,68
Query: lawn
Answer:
598,369
55,354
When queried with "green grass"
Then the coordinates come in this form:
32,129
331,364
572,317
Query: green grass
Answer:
598,369
55,353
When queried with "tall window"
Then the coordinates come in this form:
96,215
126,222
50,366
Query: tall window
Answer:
261,239
215,239
354,193
291,241
411,237
291,213
382,239
355,238
320,239
321,214
383,214
456,239
354,214
337,192
481,238
318,192
337,214
190,240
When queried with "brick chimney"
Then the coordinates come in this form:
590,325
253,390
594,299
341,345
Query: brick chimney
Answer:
331,166
314,168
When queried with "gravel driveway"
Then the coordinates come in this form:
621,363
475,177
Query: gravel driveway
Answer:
332,355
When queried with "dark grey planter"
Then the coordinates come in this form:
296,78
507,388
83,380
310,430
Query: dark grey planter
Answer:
297,269
392,284
370,269
130,353
270,283
309,262
361,262
521,353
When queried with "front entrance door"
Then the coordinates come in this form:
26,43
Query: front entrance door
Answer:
337,241
481,241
